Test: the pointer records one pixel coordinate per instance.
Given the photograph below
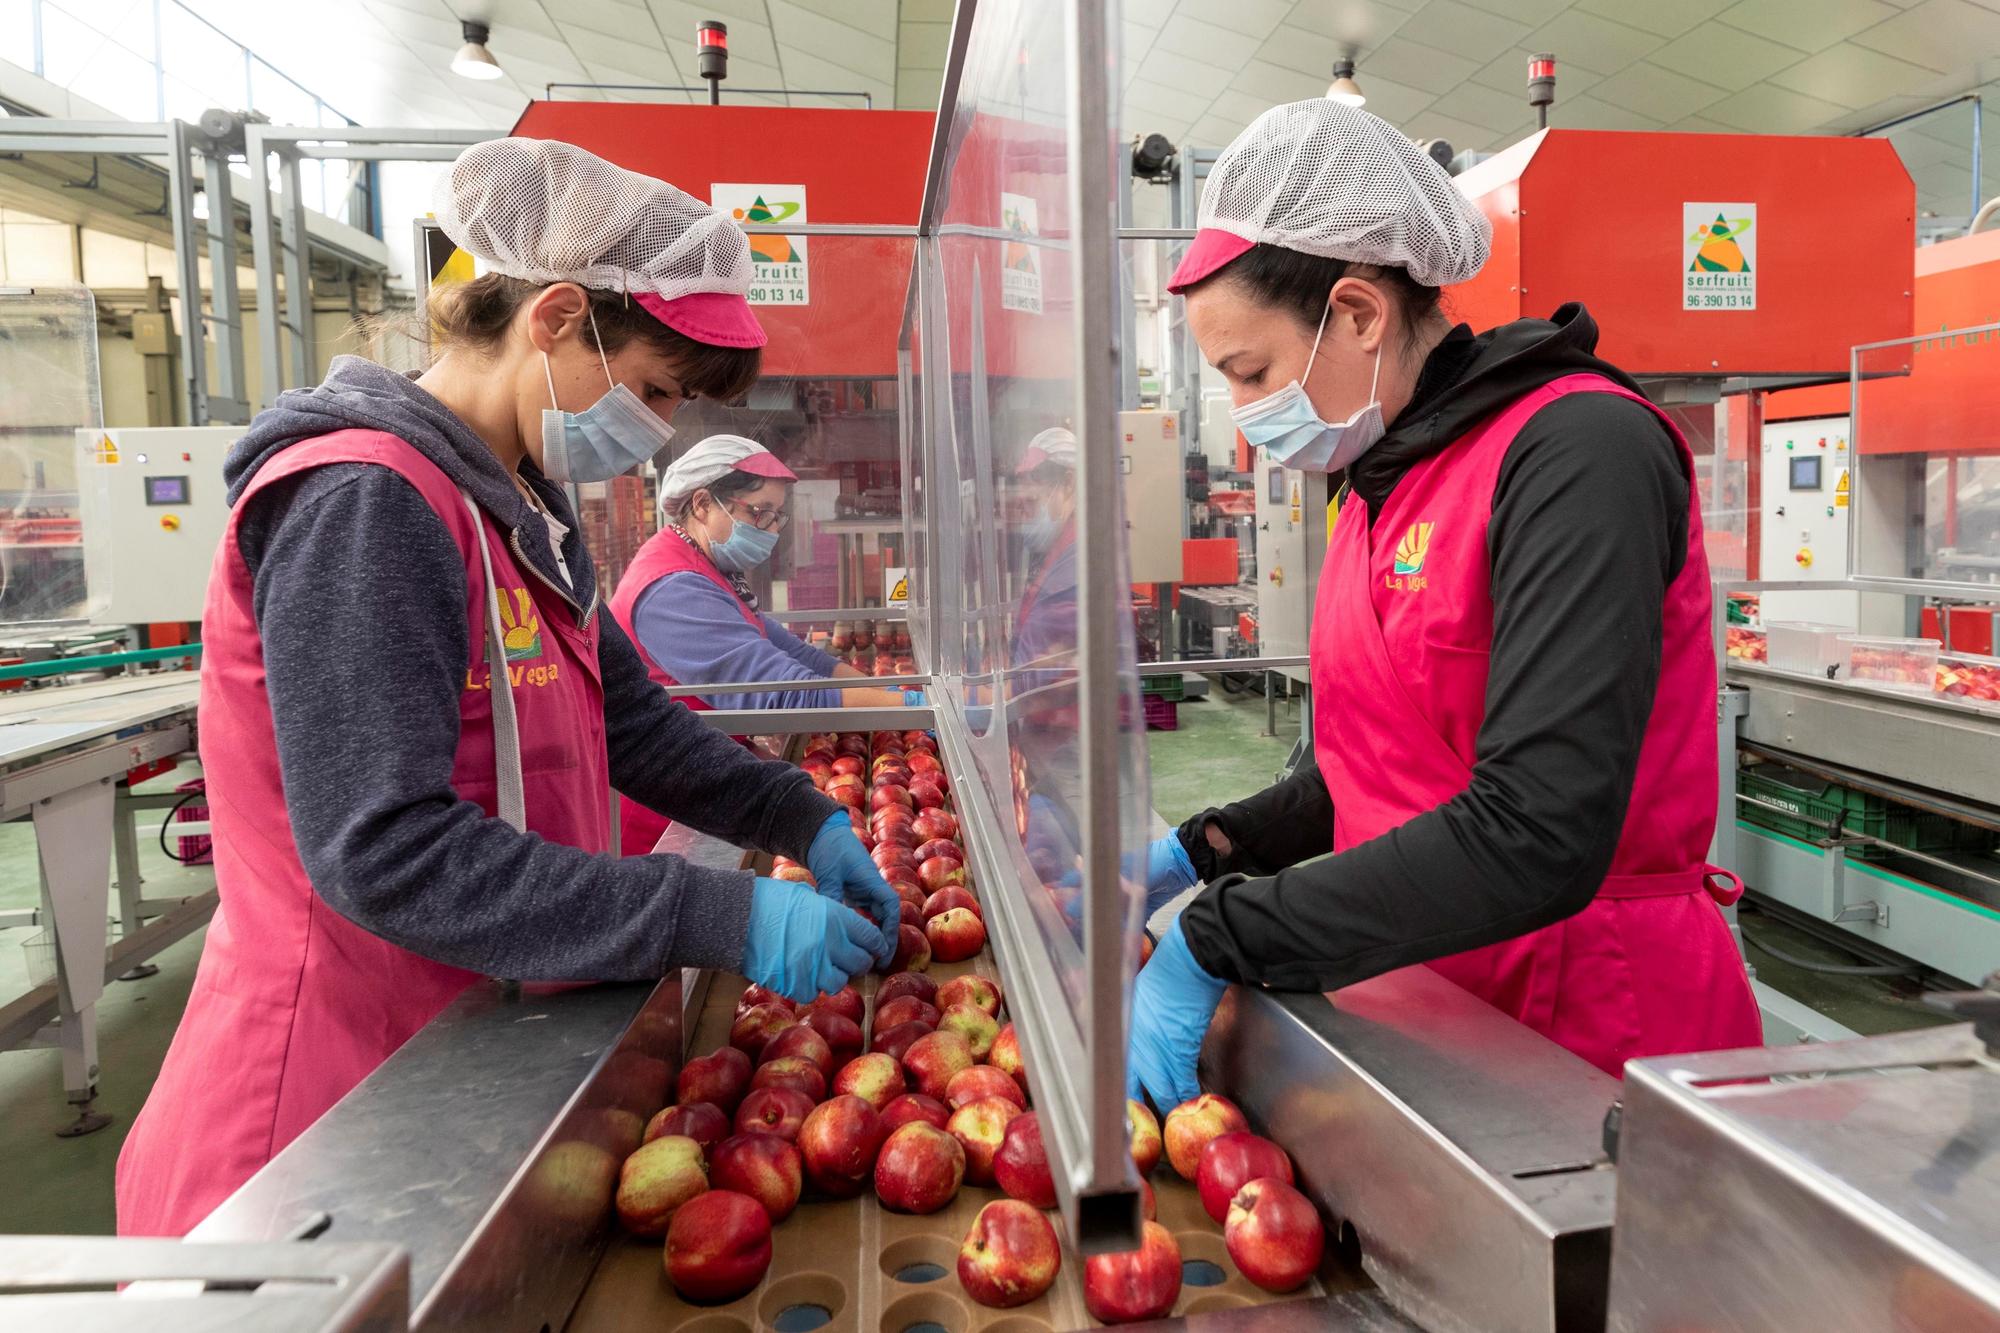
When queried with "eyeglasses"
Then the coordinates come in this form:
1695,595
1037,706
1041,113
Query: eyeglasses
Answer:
765,518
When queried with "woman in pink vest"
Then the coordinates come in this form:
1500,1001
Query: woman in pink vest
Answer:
686,604
412,714
1513,685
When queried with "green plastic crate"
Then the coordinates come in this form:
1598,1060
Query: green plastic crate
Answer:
1171,688
1818,804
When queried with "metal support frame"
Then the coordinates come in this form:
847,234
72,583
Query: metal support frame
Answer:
187,270
1104,1182
283,245
230,403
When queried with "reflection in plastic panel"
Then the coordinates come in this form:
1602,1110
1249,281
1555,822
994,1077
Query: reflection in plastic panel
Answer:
48,361
1003,322
1927,445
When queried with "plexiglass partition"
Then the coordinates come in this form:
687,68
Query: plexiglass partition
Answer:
1028,593
1926,428
950,402
48,365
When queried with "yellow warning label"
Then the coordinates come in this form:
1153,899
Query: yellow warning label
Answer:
107,451
1297,508
901,592
1840,491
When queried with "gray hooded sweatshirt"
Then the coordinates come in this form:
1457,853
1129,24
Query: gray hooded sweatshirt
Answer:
360,597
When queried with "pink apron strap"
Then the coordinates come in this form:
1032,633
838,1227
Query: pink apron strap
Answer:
1675,884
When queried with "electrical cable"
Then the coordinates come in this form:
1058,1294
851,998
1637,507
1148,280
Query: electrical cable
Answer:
1831,969
168,823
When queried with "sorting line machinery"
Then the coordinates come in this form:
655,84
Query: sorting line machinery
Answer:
1471,1173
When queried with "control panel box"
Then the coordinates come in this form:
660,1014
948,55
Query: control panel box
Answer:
1291,547
154,508
1155,480
1807,479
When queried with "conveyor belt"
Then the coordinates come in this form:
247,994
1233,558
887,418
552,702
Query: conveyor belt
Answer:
1930,742
868,1268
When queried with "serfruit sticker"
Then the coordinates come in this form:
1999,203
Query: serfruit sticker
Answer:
1020,262
1718,256
777,263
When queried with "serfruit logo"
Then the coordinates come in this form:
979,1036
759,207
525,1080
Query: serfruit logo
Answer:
1410,552
769,249
1718,256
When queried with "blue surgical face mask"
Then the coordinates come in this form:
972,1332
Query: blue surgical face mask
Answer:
1041,531
1288,428
612,436
746,547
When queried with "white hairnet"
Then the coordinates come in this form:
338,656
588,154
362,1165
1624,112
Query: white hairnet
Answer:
1055,445
715,458
547,212
1332,180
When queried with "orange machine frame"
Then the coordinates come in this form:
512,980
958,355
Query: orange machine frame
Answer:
1944,405
1596,216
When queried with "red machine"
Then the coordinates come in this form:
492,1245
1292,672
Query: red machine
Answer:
1944,403
832,305
1702,256
855,166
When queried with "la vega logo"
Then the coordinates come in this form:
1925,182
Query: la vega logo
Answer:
521,628
1407,573
1410,552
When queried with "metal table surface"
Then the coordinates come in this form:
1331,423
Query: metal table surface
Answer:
35,724
1846,1185
488,1146
1465,1150
62,753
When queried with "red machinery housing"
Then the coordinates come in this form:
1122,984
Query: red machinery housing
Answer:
1947,403
1602,217
1664,236
827,402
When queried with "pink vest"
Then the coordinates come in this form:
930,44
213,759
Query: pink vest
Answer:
1402,633
664,553
293,1004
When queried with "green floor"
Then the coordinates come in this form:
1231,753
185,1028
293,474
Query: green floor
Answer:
1216,755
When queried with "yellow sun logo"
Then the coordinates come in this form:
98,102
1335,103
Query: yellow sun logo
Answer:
1411,550
521,628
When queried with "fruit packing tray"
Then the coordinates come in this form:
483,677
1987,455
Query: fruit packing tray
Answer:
870,1269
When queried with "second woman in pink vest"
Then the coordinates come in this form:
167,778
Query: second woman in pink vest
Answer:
1513,683
685,600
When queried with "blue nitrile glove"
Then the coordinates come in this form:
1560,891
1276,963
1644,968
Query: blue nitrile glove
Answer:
842,871
1172,1003
913,698
801,944
1169,873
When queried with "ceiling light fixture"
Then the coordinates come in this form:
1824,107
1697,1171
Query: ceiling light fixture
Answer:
1344,89
473,60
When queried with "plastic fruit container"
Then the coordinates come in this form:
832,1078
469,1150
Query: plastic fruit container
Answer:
1905,665
1806,646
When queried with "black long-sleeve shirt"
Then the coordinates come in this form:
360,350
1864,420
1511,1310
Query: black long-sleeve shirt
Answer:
1589,526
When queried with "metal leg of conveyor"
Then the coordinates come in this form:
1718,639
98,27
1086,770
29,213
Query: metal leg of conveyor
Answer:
1788,1022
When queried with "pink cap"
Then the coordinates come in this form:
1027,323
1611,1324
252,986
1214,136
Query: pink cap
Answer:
765,465
720,319
1212,249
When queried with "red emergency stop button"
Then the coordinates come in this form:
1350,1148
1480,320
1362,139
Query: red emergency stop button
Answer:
170,522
